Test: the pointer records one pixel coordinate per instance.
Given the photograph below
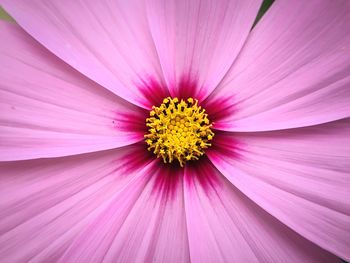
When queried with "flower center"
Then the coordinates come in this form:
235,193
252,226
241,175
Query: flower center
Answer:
178,130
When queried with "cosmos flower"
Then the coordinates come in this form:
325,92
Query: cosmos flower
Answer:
169,131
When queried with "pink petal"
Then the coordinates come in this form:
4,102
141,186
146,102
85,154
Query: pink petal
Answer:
293,70
145,223
225,226
197,41
300,176
48,109
46,203
108,41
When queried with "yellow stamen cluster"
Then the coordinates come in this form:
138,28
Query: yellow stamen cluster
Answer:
178,130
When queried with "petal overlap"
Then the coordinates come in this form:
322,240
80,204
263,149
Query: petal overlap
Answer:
108,41
225,226
48,109
299,176
46,203
293,70
78,79
146,223
197,41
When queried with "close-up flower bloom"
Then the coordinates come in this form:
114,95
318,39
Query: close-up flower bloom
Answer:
175,131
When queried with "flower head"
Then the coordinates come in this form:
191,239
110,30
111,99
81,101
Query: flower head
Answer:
171,131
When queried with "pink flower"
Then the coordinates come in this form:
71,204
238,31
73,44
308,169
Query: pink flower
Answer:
78,81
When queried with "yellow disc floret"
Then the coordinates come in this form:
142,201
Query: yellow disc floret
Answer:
178,130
